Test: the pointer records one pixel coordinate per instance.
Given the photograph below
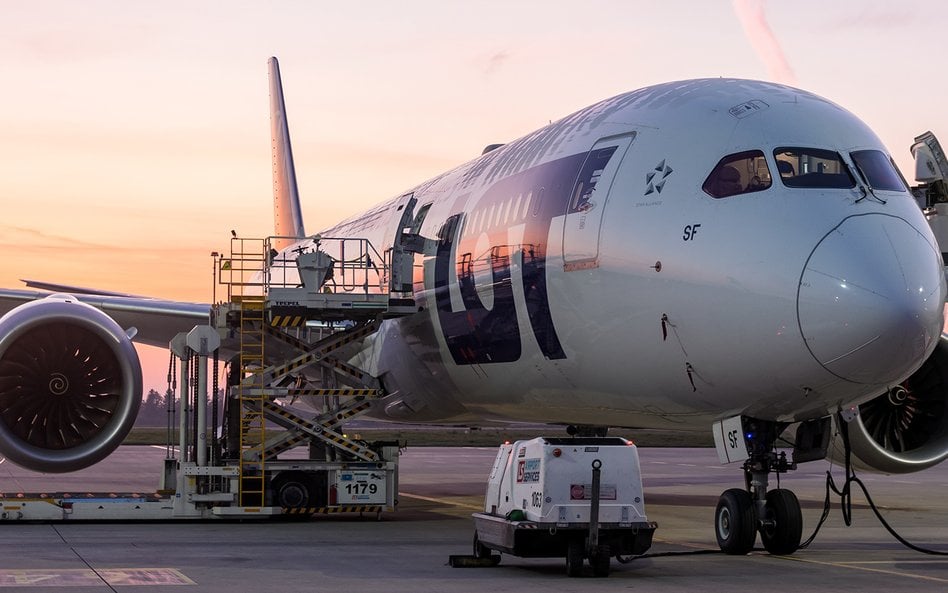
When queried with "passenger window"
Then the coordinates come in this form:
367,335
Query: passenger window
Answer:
878,170
536,205
740,173
526,205
813,168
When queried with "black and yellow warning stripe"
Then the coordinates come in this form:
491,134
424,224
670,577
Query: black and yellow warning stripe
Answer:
324,431
301,345
346,414
345,368
300,361
330,420
286,445
323,347
351,446
332,510
343,338
334,392
287,320
284,413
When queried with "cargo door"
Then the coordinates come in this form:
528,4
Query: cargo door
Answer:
588,201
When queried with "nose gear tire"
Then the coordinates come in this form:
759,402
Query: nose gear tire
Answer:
735,523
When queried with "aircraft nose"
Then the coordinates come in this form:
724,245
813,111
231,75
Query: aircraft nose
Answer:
870,301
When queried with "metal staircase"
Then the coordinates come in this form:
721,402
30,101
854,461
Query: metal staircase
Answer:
251,397
244,274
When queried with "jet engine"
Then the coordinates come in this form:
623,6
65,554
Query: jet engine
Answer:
70,384
906,429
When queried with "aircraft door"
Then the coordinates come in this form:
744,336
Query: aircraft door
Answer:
588,201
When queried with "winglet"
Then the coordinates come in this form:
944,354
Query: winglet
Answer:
287,216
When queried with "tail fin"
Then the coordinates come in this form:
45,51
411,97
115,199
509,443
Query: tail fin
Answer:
287,216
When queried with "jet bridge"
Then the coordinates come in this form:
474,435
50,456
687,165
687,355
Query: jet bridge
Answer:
931,193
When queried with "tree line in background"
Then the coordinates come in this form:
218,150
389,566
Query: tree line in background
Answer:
153,411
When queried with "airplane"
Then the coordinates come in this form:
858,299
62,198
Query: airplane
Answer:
714,254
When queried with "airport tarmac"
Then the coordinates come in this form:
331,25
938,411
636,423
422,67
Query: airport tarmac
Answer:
408,549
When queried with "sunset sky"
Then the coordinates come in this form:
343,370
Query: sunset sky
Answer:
134,135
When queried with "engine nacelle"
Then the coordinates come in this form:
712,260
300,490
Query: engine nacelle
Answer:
70,385
906,429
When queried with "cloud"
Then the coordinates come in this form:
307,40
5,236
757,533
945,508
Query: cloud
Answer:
17,237
26,242
495,62
171,269
877,18
751,15
69,46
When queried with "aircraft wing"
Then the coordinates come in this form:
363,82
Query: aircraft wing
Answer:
156,320
74,290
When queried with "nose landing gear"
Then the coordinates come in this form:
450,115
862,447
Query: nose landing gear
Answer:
735,522
781,530
775,514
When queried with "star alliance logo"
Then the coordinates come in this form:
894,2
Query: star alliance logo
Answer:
656,186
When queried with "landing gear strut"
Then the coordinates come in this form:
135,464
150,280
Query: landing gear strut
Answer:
741,513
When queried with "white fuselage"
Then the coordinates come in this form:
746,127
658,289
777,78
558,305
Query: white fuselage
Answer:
584,276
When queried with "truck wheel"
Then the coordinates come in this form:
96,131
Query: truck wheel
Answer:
480,550
600,562
294,489
574,557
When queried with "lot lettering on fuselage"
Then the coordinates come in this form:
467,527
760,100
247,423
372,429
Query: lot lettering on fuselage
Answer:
478,334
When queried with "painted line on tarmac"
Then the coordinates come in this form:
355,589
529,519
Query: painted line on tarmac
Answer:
443,501
85,577
899,561
854,566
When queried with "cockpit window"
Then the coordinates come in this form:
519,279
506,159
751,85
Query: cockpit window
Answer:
878,169
812,167
740,173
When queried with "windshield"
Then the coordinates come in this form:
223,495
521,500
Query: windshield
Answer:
813,168
878,169
739,173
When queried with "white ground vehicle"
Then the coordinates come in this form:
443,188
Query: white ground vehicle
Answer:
572,497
